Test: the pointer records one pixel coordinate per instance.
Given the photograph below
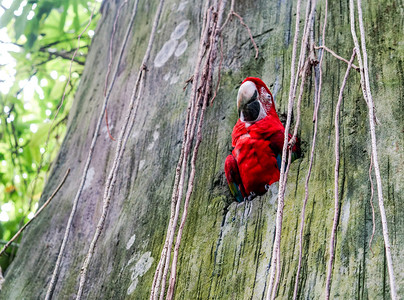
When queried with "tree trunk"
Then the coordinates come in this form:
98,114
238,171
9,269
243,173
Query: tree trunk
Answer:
226,247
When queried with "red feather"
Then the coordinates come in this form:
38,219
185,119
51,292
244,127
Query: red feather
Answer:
253,164
255,158
266,97
233,176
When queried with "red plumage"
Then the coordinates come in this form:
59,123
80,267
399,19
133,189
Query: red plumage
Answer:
255,158
257,146
265,96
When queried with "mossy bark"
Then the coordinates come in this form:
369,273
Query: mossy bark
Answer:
226,248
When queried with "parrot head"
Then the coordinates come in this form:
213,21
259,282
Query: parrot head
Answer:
248,105
254,100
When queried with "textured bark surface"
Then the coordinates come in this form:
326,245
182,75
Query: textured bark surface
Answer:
225,250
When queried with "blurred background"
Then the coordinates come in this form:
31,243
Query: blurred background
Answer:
37,43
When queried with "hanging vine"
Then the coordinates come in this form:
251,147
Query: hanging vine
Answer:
303,67
365,82
120,148
313,145
44,205
199,97
87,164
275,261
110,61
163,265
336,181
371,204
201,91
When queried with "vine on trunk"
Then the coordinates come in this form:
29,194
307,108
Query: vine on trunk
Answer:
211,36
313,145
201,90
276,267
87,165
304,66
120,148
336,182
367,95
199,97
111,42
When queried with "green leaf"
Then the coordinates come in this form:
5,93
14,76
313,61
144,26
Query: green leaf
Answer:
46,31
27,156
41,13
39,137
76,21
63,16
85,4
32,33
8,15
43,9
21,22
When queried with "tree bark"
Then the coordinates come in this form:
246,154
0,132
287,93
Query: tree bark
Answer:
226,246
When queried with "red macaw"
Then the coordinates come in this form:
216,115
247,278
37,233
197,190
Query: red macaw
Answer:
257,139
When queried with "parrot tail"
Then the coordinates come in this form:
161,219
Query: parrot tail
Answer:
234,179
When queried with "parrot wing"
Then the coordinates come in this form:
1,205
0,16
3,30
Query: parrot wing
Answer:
276,144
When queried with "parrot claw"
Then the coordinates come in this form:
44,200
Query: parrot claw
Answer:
251,196
267,187
292,142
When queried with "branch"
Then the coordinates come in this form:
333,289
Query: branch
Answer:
59,42
50,53
36,214
64,56
336,56
61,121
233,13
34,71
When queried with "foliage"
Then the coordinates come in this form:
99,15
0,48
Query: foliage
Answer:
42,38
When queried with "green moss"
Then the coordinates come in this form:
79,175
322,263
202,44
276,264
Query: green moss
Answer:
226,247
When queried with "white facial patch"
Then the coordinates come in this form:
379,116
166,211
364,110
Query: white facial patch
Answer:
265,99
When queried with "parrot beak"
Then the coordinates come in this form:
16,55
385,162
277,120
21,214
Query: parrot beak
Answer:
248,105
